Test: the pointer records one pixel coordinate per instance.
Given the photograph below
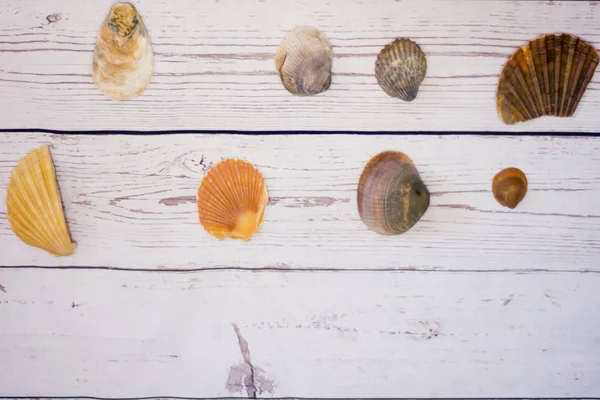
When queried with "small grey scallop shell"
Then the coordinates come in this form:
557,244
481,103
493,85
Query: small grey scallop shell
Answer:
303,61
400,68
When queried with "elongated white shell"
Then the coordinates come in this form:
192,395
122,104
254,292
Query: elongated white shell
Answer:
123,58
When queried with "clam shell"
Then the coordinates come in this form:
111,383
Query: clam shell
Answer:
509,187
232,199
34,207
547,76
123,58
391,196
400,68
303,61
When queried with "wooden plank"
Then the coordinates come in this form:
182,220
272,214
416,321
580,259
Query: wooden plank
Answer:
351,334
215,69
130,202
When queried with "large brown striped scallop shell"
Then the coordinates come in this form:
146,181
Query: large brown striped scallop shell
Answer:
304,60
547,76
400,68
123,57
34,206
391,196
232,199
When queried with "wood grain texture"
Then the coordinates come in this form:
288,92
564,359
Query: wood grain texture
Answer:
353,334
214,68
130,202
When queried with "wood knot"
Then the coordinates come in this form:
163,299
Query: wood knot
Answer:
53,18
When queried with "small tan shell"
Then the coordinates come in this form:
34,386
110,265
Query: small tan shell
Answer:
232,199
391,196
123,58
34,207
509,187
304,60
547,76
400,68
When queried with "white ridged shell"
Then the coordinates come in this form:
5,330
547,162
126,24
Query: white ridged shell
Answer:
304,60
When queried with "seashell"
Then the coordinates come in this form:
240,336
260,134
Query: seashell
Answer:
391,196
303,61
509,187
400,68
123,58
547,76
34,207
232,200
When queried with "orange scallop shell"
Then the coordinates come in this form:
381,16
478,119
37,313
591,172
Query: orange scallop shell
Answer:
232,199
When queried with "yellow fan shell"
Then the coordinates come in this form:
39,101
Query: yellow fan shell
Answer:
232,199
34,206
123,58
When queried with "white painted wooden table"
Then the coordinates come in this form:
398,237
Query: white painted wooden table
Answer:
475,301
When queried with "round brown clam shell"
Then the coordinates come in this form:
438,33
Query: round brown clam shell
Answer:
123,58
400,68
509,187
304,60
391,196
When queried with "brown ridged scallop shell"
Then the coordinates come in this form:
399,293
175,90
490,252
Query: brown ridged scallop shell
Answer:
304,60
509,187
232,199
391,196
123,57
547,76
34,206
400,68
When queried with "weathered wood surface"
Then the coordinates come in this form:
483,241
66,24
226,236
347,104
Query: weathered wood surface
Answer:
351,334
131,202
475,301
214,64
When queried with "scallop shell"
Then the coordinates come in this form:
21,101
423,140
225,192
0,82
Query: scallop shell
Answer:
391,196
123,58
547,76
232,200
509,187
34,206
303,61
400,68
